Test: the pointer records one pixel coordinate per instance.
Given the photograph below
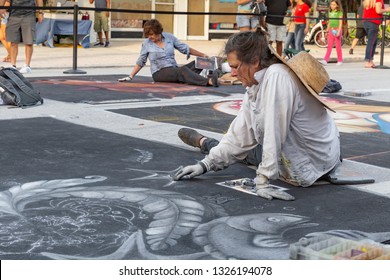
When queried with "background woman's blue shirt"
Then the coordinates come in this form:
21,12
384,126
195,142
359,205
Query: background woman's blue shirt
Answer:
162,57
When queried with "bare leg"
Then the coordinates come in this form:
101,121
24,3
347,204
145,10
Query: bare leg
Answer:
279,47
29,52
14,53
7,45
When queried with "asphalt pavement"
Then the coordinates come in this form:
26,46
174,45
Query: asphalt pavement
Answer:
130,140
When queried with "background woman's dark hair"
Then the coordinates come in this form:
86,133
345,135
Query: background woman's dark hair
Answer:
308,2
152,26
339,7
251,47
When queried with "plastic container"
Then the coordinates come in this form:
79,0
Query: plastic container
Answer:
327,247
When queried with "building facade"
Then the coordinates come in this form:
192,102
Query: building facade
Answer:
188,27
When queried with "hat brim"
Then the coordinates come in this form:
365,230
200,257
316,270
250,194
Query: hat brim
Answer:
303,81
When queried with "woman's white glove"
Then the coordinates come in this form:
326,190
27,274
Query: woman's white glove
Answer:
125,79
264,190
189,172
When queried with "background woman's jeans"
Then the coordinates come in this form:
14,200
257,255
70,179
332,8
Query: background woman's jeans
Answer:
290,41
372,30
299,36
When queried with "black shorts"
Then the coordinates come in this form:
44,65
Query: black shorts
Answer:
360,33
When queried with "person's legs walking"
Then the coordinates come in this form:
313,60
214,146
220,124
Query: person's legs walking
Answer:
372,37
338,48
28,34
372,34
360,33
14,53
97,26
289,41
14,36
299,36
280,36
331,40
353,45
5,43
370,40
107,43
105,28
29,52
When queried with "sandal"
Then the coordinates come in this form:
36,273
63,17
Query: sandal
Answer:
7,58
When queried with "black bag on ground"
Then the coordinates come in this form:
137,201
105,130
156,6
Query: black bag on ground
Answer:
332,86
16,90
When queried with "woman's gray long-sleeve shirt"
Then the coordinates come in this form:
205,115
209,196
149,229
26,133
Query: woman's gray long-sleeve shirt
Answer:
300,140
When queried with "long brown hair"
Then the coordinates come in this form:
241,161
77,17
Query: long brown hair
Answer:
339,7
251,47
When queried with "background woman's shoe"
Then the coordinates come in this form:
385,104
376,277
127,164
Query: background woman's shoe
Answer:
190,136
214,78
350,51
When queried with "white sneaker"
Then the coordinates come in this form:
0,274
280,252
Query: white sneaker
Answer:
323,62
25,69
339,63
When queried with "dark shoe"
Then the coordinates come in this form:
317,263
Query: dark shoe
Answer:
350,51
190,137
214,78
106,44
98,44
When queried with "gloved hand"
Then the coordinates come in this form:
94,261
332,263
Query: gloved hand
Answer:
189,172
264,190
125,79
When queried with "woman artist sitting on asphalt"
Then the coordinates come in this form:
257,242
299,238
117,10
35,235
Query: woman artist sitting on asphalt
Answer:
160,47
282,125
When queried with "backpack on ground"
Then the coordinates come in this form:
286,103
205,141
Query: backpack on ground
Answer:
16,90
332,86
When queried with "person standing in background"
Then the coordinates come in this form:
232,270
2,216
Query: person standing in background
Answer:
290,26
334,30
101,21
3,37
246,22
21,27
302,21
360,31
276,9
372,15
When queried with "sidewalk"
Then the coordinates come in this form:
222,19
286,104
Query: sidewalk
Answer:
122,54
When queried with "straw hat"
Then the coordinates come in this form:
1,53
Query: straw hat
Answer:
309,71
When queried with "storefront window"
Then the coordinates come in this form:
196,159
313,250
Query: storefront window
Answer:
218,22
130,20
